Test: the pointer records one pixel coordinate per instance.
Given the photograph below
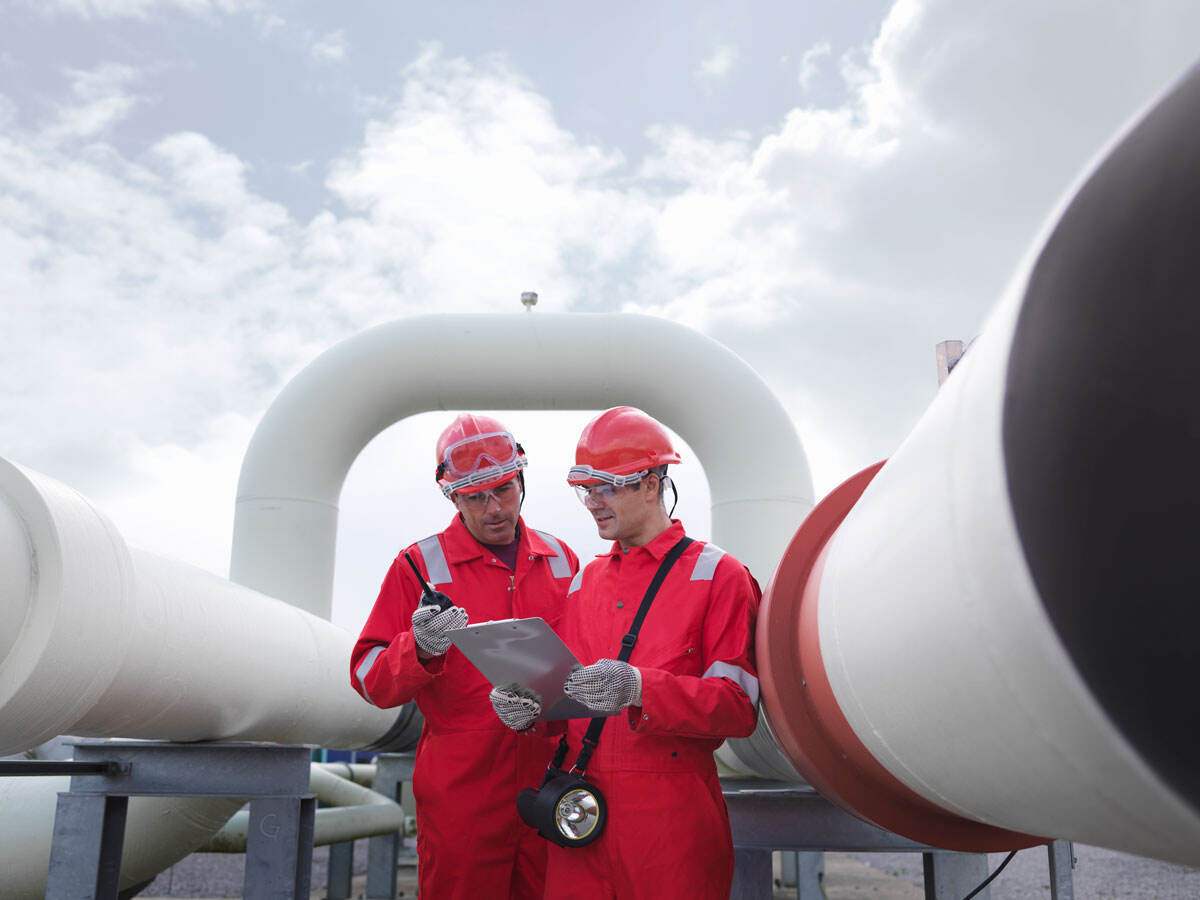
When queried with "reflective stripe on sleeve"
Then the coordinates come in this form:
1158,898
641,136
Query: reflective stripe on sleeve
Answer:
706,563
576,583
364,668
737,675
559,567
435,560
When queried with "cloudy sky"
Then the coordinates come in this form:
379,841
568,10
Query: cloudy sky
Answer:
197,197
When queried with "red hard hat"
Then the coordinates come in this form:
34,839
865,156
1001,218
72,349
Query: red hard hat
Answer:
618,446
475,453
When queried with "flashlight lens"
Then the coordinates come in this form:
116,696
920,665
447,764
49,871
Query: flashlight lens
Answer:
577,813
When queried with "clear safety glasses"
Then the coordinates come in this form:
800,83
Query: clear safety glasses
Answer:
479,500
607,489
600,494
595,493
480,458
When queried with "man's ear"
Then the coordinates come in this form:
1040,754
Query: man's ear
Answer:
651,490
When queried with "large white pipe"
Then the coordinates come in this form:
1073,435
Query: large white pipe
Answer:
285,524
286,518
104,640
100,639
348,812
994,637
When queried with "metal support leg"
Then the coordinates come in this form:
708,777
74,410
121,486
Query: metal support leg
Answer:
1062,862
85,856
804,871
279,847
810,875
341,870
383,851
751,874
949,876
787,868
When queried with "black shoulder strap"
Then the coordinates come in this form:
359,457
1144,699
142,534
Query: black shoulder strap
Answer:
592,737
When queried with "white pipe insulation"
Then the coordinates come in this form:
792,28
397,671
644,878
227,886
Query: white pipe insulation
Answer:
285,524
100,639
348,812
993,638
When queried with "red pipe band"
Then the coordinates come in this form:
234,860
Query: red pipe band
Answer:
804,713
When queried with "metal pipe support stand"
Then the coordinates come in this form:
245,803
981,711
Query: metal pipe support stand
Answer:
383,850
768,816
89,822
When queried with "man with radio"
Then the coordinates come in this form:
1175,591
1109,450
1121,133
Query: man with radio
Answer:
469,768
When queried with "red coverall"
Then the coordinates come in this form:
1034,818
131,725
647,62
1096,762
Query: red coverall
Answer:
469,767
668,830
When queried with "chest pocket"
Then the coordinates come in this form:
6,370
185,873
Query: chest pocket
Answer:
677,653
541,595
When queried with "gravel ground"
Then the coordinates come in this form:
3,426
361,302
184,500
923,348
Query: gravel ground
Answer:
1099,875
211,875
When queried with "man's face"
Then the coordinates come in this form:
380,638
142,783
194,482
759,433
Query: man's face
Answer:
491,515
622,513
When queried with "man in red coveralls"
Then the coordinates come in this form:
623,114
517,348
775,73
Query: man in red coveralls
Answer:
469,768
690,683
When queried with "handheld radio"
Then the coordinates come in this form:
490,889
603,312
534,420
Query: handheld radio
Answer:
430,597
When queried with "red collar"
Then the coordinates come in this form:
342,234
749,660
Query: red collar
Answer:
461,545
658,547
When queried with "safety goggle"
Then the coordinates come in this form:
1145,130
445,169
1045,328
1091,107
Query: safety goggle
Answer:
463,458
587,473
479,459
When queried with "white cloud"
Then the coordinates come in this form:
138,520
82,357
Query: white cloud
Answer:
331,47
101,100
476,191
141,9
155,302
718,64
811,62
157,296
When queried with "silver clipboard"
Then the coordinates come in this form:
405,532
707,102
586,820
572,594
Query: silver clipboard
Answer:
527,653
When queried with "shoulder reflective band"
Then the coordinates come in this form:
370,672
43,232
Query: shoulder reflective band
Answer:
706,562
364,669
559,567
737,675
435,560
576,583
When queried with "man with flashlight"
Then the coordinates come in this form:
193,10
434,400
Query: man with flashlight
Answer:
689,684
486,565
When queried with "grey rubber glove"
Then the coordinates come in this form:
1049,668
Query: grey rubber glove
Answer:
516,708
430,624
607,685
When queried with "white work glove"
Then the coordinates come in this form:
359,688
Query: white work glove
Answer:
607,685
516,708
430,624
